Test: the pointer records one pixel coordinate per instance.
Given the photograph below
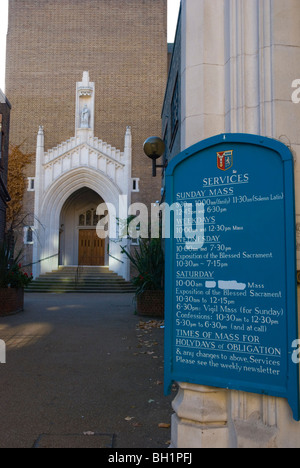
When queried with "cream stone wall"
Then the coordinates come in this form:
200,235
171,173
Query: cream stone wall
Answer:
202,70
239,59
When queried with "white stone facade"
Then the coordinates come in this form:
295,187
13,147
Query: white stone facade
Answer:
84,161
239,59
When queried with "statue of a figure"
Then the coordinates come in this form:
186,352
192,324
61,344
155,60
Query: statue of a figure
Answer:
85,117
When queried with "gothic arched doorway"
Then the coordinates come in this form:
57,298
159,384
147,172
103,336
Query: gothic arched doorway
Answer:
79,243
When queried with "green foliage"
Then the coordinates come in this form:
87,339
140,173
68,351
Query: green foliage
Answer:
11,273
148,260
16,183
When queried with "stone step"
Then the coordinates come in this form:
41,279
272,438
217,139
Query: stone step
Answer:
82,286
83,269
80,280
89,280
81,291
106,289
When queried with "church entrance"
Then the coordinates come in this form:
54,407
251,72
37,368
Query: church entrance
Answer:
79,243
73,179
91,248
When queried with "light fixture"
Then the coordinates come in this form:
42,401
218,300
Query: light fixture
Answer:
154,148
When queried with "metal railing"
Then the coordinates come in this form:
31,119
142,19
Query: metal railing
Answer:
40,261
77,276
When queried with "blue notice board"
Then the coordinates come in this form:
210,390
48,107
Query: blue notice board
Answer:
231,292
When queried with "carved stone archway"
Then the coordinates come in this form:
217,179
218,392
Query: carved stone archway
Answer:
82,161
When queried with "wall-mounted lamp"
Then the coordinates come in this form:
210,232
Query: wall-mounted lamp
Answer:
154,148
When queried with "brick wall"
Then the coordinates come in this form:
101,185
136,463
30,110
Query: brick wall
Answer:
122,44
5,121
11,301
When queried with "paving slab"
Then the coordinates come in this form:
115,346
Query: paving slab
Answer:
86,440
81,364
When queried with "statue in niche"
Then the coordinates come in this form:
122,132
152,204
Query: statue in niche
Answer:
85,117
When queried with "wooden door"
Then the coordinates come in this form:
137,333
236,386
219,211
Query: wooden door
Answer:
91,248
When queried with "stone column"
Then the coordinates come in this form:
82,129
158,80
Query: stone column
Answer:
39,188
239,59
202,70
200,419
201,412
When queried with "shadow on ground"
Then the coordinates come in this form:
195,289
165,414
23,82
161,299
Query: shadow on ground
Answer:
83,371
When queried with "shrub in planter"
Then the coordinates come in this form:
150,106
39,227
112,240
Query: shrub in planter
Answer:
13,280
151,303
11,301
148,260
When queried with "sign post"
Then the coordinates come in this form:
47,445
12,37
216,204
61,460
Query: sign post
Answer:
231,297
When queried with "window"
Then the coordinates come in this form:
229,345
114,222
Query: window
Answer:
174,111
31,184
135,185
135,242
28,235
89,218
165,156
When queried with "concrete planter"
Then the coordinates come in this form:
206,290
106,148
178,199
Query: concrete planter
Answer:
151,304
11,301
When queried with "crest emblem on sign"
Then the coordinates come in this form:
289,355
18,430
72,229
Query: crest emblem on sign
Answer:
225,160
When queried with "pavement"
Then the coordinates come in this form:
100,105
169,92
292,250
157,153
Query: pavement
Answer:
83,371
